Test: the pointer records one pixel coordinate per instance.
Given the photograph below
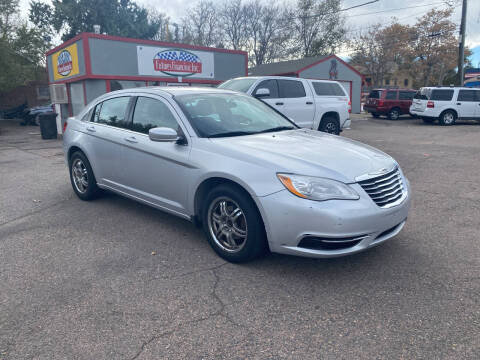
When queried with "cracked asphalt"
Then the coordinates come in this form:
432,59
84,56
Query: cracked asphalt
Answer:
78,280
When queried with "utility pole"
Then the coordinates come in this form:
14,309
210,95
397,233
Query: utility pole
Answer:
461,45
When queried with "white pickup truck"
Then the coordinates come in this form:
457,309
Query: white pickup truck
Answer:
316,104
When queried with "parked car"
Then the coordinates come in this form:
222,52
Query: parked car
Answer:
14,112
31,116
314,104
389,102
446,104
249,175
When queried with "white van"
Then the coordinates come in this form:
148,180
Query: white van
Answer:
447,104
316,104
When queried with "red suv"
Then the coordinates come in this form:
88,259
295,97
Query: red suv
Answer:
390,102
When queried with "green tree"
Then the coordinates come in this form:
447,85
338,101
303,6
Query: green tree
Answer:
115,17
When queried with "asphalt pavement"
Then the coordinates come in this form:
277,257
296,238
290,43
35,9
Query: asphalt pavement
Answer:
115,279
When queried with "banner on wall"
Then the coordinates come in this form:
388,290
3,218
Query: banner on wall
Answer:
155,61
65,62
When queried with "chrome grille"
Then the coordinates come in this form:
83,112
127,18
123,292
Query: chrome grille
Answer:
385,189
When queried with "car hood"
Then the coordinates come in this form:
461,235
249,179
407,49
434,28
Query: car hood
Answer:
308,152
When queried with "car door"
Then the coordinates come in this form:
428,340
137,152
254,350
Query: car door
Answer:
272,86
296,102
106,128
466,103
156,172
391,98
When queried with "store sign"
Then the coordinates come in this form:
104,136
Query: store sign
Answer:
65,62
154,61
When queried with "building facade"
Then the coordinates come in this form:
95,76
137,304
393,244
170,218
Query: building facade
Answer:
329,67
92,64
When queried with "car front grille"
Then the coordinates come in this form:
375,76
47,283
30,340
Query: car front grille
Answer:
385,189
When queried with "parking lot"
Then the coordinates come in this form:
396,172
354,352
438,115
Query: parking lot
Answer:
114,279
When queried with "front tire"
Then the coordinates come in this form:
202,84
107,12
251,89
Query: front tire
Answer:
330,125
233,225
447,118
81,176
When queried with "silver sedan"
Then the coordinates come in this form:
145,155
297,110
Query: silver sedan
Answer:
240,169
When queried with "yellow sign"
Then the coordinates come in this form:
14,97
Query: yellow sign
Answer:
65,62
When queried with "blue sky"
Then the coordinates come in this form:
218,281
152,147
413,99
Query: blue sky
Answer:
475,58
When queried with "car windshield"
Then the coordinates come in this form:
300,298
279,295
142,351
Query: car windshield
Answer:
223,115
241,85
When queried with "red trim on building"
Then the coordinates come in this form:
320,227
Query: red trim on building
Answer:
84,93
86,55
137,78
328,58
141,41
70,110
108,88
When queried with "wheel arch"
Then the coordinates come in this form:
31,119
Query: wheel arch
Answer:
449,109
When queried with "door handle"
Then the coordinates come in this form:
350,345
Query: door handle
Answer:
131,139
459,103
279,103
309,103
91,128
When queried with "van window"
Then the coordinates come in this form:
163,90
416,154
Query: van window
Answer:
406,95
271,85
375,94
327,89
467,95
291,89
441,95
391,95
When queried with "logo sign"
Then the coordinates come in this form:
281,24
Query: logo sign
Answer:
174,62
65,63
333,70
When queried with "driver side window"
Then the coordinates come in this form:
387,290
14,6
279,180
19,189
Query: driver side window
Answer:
150,113
271,85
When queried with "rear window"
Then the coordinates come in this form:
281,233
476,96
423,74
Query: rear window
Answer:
441,95
420,96
327,89
406,95
375,94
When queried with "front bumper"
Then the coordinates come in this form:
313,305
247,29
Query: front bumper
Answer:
289,219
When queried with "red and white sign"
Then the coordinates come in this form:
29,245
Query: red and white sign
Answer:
154,61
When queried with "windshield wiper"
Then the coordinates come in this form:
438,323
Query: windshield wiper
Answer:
231,133
279,128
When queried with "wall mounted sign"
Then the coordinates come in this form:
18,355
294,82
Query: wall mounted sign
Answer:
65,62
333,70
154,61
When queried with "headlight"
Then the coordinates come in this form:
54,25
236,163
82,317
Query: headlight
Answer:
316,188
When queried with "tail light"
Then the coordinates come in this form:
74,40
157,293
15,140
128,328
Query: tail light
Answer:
430,104
349,106
65,126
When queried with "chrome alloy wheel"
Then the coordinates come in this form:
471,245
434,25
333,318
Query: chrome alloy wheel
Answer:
448,118
227,224
80,176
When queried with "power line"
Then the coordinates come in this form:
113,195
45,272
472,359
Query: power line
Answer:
396,9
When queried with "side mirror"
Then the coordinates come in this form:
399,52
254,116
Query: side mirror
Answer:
163,134
262,92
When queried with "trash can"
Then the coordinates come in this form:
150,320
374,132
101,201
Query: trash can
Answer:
48,125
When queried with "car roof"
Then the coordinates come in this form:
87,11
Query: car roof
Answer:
173,90
279,77
385,89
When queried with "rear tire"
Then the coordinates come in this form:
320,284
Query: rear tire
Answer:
233,224
329,125
447,118
82,178
394,114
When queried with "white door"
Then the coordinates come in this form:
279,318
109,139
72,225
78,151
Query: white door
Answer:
296,102
466,103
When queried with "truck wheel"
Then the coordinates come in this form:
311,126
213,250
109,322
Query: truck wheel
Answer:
330,125
394,114
448,117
